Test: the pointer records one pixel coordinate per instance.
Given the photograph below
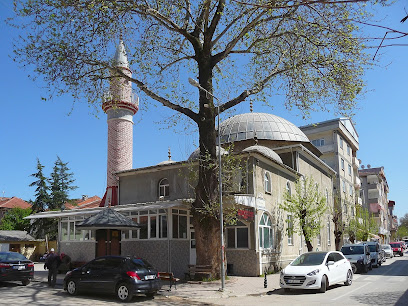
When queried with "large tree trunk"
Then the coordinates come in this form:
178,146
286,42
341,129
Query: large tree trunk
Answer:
206,222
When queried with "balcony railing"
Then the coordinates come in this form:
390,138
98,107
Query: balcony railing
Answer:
122,96
356,163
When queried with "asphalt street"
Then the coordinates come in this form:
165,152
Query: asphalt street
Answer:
387,285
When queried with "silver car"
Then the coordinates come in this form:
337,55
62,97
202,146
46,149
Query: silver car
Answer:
388,250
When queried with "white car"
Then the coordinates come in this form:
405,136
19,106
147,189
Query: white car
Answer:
316,270
388,250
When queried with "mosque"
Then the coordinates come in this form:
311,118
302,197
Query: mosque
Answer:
274,153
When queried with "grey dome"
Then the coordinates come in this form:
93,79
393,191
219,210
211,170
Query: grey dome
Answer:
262,125
265,151
166,162
196,154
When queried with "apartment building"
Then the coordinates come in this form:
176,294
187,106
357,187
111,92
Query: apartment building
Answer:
374,192
337,139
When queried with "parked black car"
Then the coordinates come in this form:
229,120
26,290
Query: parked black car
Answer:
15,267
124,276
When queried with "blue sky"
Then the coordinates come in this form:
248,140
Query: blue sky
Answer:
31,128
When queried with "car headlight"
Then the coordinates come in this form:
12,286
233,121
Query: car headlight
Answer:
314,272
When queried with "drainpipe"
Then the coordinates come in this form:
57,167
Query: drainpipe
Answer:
256,232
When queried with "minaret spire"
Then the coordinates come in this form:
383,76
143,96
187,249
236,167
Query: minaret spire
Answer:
120,104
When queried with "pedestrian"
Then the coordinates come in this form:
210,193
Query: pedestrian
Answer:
52,262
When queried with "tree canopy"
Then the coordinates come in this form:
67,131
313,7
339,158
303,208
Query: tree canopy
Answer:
307,207
14,220
311,54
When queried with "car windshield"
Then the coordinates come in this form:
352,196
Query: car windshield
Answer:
386,247
372,248
395,245
11,257
309,259
352,250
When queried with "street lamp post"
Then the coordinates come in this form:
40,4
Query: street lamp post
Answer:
196,84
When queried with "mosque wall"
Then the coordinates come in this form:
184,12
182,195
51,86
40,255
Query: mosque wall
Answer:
79,251
144,187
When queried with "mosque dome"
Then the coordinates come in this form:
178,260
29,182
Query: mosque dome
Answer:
196,154
264,151
259,125
166,162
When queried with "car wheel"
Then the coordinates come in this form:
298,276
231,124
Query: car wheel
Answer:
123,293
365,268
379,263
370,267
402,254
354,268
349,278
72,288
323,286
25,282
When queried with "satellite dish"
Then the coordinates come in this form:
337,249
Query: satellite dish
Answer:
359,160
362,166
368,166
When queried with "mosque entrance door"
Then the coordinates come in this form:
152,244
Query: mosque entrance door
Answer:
107,242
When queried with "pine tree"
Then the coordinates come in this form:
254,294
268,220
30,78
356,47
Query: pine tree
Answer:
61,183
42,198
41,227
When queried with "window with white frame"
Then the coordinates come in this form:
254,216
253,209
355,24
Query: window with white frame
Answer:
70,232
238,236
328,231
350,189
266,240
179,218
164,188
349,170
288,188
318,142
153,224
268,183
348,149
344,186
341,142
342,163
319,239
327,197
289,229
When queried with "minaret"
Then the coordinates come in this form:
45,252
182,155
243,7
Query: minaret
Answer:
119,104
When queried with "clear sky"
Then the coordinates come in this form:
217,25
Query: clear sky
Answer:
31,128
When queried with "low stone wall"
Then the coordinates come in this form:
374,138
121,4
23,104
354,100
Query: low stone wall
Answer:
244,262
157,253
79,251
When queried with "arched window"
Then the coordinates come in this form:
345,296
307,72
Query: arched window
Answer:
288,189
265,232
268,183
164,188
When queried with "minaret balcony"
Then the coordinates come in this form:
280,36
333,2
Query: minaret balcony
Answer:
120,100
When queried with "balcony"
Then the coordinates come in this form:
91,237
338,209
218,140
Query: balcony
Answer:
356,163
357,182
375,208
326,148
373,194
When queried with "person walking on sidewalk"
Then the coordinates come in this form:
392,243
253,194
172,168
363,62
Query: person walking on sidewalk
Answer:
52,263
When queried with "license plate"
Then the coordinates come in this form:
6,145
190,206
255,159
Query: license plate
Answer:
293,281
18,267
150,276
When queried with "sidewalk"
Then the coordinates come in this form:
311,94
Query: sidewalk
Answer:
235,286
